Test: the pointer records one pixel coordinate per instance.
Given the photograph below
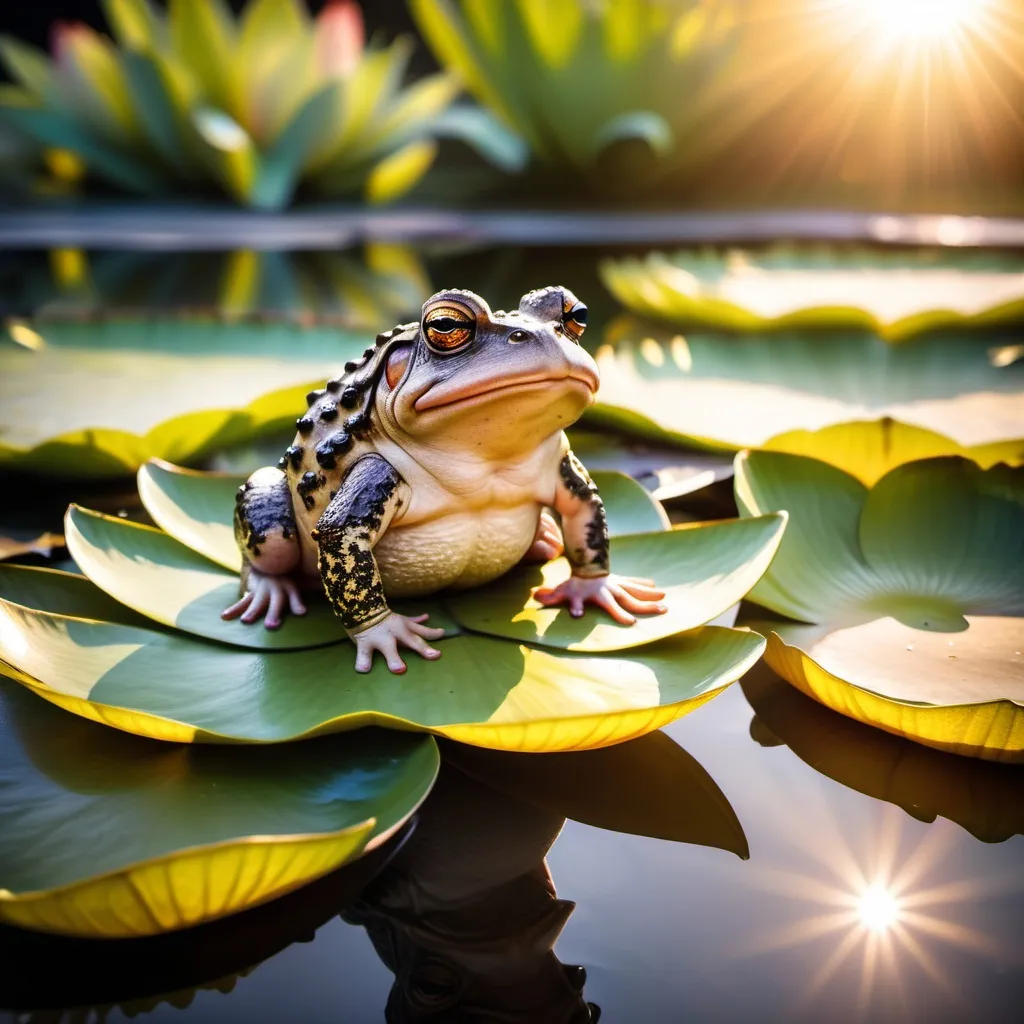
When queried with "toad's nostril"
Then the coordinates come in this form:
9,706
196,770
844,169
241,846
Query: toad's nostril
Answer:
519,336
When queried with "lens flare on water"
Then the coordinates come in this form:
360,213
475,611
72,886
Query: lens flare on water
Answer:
871,903
878,908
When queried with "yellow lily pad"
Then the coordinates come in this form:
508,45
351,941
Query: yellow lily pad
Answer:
867,450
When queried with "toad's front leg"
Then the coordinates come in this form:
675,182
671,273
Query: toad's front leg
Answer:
351,524
585,529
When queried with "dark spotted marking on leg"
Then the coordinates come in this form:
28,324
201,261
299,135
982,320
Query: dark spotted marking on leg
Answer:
304,425
307,486
577,481
328,411
261,508
315,396
576,478
597,534
345,536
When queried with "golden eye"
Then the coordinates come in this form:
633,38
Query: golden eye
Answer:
574,320
448,328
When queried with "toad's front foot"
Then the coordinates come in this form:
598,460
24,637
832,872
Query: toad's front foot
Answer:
386,636
547,542
266,596
617,595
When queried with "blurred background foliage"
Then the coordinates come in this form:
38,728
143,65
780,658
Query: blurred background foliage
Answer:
694,102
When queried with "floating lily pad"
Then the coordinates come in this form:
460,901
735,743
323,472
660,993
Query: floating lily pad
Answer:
197,508
721,391
982,797
868,450
109,835
704,570
483,691
151,572
896,294
914,591
176,390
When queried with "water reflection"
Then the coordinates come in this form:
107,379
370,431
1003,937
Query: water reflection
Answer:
980,796
879,901
467,915
463,911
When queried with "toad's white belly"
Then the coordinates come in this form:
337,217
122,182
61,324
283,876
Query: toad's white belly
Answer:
462,549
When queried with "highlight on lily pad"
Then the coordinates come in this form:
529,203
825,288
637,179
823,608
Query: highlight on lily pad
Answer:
172,388
896,294
725,391
138,642
110,835
907,597
868,449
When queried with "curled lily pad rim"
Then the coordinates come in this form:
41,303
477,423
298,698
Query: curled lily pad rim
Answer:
203,849
160,727
928,728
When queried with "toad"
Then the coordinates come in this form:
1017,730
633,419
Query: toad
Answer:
429,464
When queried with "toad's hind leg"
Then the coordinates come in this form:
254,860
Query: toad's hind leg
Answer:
267,537
547,541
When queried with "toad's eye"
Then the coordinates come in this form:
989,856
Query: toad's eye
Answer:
574,321
448,329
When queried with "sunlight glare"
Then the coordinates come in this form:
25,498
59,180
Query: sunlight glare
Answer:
878,908
920,19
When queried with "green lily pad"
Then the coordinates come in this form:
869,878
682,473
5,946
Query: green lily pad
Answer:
914,591
483,691
176,390
981,797
896,294
722,391
109,835
704,570
64,593
162,579
868,450
198,508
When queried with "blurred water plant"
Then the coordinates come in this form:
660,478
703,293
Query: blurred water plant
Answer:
138,641
897,294
910,592
623,92
254,106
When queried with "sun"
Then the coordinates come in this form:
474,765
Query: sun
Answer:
878,908
919,20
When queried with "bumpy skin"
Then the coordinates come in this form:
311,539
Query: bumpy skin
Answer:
428,465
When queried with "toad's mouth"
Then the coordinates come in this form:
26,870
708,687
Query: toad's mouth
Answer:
437,395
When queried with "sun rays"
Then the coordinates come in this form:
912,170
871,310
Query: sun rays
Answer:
872,907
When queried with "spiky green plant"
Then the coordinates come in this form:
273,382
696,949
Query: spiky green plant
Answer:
255,105
576,80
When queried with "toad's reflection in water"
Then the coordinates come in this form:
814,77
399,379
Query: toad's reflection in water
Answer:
466,916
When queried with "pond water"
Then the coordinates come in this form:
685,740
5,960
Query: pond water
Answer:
863,877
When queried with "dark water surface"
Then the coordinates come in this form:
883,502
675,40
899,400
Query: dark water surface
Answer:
666,930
